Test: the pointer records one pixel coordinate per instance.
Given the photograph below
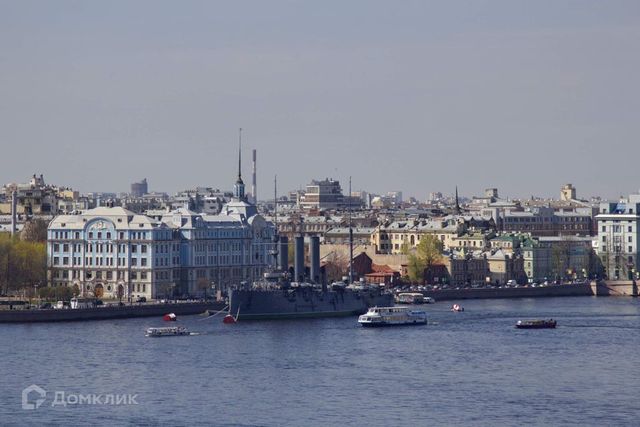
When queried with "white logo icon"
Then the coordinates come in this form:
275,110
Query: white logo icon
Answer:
40,394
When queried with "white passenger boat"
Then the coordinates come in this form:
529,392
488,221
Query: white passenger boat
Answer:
393,316
410,298
169,331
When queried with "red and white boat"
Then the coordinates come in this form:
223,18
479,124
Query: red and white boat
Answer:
170,317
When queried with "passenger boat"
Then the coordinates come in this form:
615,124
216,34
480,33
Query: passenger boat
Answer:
410,298
169,331
392,316
457,307
536,324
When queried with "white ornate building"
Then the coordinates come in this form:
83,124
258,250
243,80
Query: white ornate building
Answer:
116,253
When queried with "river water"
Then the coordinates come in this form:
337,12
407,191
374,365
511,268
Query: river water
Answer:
470,368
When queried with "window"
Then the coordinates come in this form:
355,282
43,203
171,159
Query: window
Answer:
99,235
143,262
630,229
604,228
91,234
143,249
134,249
134,261
108,234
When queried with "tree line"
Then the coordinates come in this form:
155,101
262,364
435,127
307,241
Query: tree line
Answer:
23,259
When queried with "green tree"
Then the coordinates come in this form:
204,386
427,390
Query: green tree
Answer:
427,253
22,264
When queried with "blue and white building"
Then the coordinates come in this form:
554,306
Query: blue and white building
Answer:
115,253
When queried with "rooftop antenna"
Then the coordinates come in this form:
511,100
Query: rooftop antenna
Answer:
275,201
239,154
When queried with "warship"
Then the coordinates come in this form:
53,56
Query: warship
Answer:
277,297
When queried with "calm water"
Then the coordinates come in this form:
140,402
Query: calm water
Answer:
471,368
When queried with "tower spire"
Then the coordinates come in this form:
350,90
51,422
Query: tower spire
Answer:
238,188
457,202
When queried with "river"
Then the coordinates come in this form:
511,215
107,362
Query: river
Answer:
469,368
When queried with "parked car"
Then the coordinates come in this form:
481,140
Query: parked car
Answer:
141,299
46,305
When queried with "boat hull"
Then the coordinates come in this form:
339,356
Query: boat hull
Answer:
535,326
302,303
385,325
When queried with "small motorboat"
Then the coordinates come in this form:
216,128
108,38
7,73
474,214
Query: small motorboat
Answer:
170,317
536,324
457,307
170,331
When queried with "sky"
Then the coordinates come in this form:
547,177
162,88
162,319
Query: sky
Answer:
417,96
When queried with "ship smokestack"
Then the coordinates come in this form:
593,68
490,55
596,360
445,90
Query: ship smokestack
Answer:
299,259
314,254
283,253
14,212
254,185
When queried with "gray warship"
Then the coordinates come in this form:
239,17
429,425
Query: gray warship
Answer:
278,298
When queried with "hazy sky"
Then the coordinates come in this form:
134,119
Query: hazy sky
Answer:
411,95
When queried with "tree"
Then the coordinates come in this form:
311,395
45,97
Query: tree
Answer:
427,253
34,231
560,254
336,266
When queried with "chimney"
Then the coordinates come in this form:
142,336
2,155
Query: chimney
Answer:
254,188
299,259
283,253
314,254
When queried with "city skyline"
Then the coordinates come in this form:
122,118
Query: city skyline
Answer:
418,97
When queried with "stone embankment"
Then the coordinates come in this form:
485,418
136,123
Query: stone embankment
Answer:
110,312
600,288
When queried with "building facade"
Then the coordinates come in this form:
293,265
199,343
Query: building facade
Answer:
618,239
115,253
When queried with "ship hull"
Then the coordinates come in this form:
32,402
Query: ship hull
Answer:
302,303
